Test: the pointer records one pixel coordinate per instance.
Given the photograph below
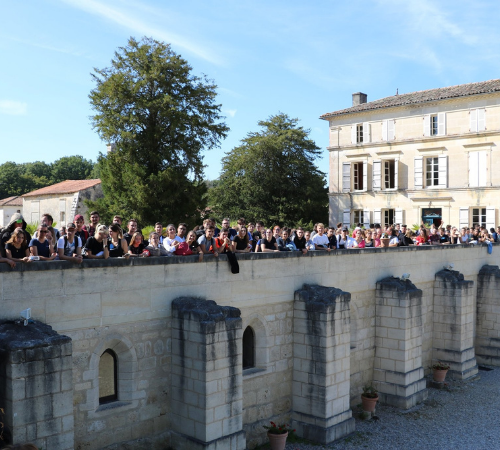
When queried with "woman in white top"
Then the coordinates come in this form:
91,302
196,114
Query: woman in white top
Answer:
170,243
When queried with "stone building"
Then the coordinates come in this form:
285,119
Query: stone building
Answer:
8,207
148,353
62,200
427,155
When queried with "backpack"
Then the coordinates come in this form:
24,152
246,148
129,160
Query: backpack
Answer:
183,249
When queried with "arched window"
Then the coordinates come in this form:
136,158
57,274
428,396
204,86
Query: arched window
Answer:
248,348
108,391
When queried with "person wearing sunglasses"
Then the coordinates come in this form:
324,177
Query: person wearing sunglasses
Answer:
40,247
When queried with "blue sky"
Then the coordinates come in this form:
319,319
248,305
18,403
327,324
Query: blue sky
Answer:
300,58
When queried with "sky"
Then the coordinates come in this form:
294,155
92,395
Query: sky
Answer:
266,57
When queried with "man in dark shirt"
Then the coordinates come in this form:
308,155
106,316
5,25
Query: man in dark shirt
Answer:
332,239
132,228
300,241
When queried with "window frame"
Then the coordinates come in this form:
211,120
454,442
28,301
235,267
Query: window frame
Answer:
104,400
245,344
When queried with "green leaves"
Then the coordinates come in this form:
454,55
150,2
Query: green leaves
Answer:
271,176
161,117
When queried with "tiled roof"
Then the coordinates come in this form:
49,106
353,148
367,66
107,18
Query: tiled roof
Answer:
64,187
12,201
414,98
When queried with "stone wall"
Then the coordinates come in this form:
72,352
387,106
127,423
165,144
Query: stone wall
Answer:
126,306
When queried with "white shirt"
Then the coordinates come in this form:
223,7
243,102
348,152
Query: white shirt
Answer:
320,240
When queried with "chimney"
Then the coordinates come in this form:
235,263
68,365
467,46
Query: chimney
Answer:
111,147
358,98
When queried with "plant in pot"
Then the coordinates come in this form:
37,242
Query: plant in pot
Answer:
277,435
439,371
384,240
369,398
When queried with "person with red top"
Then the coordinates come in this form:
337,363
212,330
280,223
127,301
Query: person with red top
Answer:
222,242
423,237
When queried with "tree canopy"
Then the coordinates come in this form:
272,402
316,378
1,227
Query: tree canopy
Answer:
160,117
18,179
271,176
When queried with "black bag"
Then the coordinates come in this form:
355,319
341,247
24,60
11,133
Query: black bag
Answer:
233,262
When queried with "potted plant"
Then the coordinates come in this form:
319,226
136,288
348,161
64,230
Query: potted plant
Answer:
277,435
384,240
369,398
439,371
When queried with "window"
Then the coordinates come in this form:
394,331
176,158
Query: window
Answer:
435,124
358,175
62,217
477,169
478,216
388,217
248,348
358,216
389,174
477,120
108,377
432,171
388,130
361,216
359,133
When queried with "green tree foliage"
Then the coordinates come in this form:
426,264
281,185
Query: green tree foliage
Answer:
271,176
18,179
160,117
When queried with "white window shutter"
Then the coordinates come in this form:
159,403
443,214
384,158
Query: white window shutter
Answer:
418,172
399,216
443,171
365,175
473,169
346,177
427,125
463,217
481,168
473,120
376,179
384,130
377,216
346,218
396,173
481,119
490,218
441,124
366,218
367,136
353,134
391,130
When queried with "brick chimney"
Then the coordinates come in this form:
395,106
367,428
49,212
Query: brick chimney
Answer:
358,98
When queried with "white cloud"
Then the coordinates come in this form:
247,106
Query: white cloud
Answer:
231,112
52,48
133,23
13,108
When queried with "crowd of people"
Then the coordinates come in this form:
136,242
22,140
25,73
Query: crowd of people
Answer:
78,241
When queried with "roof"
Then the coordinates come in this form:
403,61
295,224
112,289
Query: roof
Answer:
64,187
414,98
12,201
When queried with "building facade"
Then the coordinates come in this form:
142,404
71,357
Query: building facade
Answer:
8,207
424,156
62,200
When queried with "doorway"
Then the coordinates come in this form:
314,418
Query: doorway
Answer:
432,216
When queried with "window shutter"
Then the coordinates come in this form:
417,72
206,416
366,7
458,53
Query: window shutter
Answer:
346,218
463,217
385,130
443,171
490,218
399,216
481,168
365,175
377,167
441,124
391,131
346,177
366,218
473,120
353,134
473,169
377,216
396,167
418,171
481,119
427,125
367,137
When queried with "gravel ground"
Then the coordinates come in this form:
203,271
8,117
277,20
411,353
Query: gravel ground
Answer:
464,416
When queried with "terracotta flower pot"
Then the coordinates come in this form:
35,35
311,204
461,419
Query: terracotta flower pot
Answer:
369,403
277,441
439,375
384,242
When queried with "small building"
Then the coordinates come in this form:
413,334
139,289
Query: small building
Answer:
62,200
423,156
8,207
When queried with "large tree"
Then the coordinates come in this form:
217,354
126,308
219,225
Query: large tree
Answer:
71,168
271,176
160,117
